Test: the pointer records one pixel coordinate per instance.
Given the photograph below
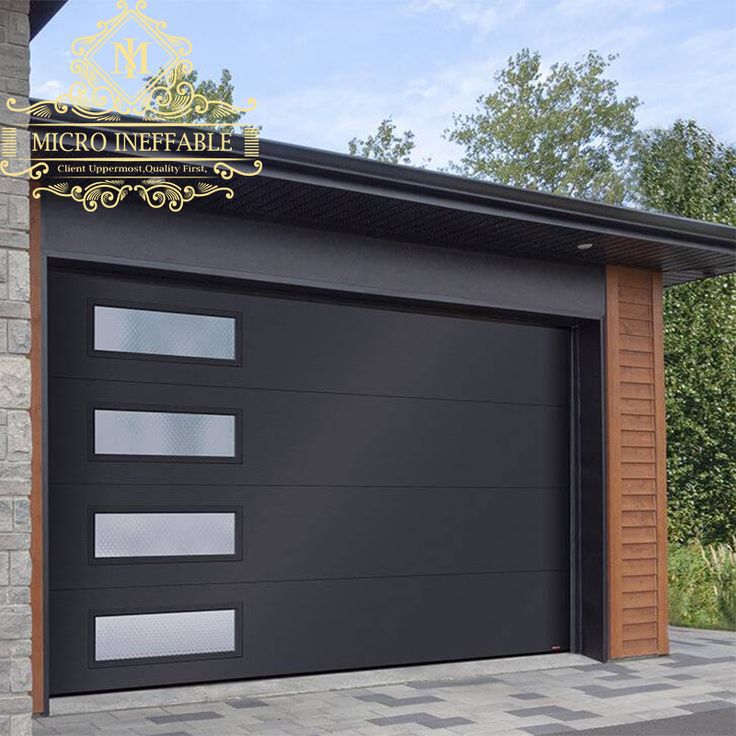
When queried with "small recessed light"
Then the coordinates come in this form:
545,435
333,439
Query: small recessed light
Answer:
585,246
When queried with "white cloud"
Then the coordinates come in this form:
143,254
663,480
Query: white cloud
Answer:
631,8
49,89
693,80
483,15
328,115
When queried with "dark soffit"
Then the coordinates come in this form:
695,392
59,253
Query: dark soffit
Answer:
332,191
41,12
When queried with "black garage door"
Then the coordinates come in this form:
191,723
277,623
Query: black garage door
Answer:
246,485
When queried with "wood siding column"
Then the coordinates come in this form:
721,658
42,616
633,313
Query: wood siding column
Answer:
636,472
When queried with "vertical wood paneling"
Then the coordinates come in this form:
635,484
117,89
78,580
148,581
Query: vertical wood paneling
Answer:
636,464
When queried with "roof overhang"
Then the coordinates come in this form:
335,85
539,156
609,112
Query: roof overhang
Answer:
40,12
332,191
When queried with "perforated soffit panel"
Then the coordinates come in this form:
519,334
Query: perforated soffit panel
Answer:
332,191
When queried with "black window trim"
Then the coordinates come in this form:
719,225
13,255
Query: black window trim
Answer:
175,659
92,352
93,511
236,413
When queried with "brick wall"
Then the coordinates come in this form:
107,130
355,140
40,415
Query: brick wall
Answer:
15,389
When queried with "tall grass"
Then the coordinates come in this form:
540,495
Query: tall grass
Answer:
702,585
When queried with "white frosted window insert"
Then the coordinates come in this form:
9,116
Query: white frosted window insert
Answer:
152,332
164,534
119,432
135,636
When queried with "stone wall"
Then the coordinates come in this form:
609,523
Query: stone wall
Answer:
15,387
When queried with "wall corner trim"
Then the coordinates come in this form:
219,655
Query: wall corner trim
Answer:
38,663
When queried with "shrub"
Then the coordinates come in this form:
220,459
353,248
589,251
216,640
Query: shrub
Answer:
721,562
702,586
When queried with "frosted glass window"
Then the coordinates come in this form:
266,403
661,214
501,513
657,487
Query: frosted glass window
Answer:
135,636
119,432
164,534
164,333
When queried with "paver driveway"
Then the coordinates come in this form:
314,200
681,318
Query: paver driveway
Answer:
698,676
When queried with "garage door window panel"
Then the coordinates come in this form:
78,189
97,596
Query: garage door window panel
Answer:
135,535
164,333
164,636
161,433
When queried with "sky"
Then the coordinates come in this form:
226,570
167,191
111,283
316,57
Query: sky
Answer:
324,71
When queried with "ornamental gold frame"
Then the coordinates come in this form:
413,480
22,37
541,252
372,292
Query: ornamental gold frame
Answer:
165,100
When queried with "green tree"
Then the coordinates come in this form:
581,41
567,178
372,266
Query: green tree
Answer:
566,132
222,90
683,170
385,144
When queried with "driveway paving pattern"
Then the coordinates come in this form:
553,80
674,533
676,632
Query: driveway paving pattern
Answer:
698,677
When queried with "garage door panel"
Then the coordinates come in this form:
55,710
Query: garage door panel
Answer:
323,439
246,485
309,533
344,624
71,337
338,347
362,350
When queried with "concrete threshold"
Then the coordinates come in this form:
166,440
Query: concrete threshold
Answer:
292,685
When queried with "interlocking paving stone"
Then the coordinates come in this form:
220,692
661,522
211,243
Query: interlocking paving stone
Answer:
137,713
685,642
41,730
241,703
706,705
476,705
421,719
692,660
204,715
547,729
392,702
618,678
553,711
605,669
719,642
459,682
619,692
527,696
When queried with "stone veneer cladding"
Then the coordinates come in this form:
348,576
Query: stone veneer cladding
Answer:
15,389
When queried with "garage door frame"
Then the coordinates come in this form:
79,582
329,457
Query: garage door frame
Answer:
588,625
